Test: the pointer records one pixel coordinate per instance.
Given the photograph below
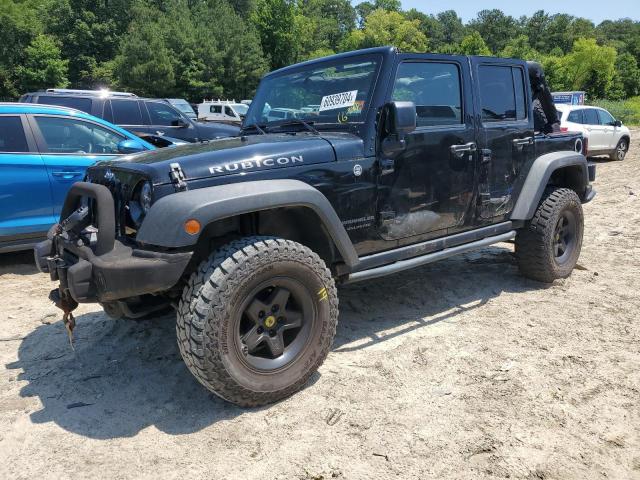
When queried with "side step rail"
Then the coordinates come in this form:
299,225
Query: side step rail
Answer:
428,258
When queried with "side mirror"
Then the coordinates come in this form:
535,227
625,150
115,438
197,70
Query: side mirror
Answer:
130,146
617,123
180,123
401,118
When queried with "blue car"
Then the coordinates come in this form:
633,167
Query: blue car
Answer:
43,151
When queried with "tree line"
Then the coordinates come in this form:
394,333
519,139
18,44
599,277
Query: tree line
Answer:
221,48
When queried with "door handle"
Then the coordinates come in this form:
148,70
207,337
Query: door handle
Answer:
460,149
67,175
523,142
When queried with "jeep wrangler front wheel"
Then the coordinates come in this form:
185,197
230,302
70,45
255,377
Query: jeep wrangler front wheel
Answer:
548,247
257,319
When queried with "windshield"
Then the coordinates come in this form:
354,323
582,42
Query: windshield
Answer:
184,107
328,92
241,108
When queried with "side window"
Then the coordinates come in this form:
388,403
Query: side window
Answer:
72,135
215,109
605,117
228,111
502,93
435,90
591,117
12,137
575,116
126,112
162,114
83,104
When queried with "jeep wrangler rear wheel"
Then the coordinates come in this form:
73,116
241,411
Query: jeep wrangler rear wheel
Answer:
549,246
257,319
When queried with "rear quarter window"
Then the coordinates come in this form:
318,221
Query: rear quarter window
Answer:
83,104
12,137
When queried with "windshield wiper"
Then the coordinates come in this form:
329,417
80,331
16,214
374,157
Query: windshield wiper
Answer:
299,121
260,129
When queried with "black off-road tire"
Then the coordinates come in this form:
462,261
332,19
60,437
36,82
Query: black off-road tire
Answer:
621,150
211,306
536,242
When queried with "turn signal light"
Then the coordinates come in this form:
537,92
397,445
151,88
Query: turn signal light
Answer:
192,227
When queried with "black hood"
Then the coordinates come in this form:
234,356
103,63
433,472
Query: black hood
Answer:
243,155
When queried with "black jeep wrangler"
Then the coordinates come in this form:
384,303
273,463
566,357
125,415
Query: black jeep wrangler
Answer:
385,161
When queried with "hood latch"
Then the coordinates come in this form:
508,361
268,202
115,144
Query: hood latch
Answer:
177,177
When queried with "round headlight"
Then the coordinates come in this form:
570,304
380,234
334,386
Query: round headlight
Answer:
145,197
140,203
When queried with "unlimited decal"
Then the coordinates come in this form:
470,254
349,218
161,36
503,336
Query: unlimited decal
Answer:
254,163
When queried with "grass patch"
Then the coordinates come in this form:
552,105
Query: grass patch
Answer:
626,110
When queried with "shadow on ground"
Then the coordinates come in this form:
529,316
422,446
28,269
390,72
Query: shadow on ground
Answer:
125,376
18,263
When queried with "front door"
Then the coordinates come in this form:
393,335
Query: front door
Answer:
166,120
427,189
506,136
597,133
610,131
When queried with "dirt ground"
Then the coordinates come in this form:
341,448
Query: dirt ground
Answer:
461,369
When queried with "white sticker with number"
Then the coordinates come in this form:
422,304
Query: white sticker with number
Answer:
338,100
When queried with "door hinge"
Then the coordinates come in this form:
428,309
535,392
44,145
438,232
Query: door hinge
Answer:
177,177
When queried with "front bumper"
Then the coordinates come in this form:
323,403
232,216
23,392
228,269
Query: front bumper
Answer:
109,269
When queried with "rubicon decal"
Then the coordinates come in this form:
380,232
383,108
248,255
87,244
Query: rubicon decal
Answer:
256,163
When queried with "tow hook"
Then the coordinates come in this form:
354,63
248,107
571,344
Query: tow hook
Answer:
67,304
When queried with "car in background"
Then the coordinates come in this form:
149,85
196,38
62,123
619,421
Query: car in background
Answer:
136,114
43,151
282,114
604,134
184,106
222,111
569,98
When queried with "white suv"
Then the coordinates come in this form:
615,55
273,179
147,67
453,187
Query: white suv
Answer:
605,134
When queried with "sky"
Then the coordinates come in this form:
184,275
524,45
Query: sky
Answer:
594,10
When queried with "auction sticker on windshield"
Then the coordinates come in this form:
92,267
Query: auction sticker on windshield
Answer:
338,100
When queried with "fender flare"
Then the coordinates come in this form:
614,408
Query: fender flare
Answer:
163,224
538,179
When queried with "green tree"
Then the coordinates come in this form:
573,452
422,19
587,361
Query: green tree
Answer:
321,26
626,79
43,65
454,29
432,28
589,67
274,20
144,64
519,47
89,32
495,28
388,28
20,23
474,44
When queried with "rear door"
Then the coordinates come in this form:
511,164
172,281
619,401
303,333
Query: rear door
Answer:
427,188
128,114
26,206
68,146
506,133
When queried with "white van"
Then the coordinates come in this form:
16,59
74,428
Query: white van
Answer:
222,111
